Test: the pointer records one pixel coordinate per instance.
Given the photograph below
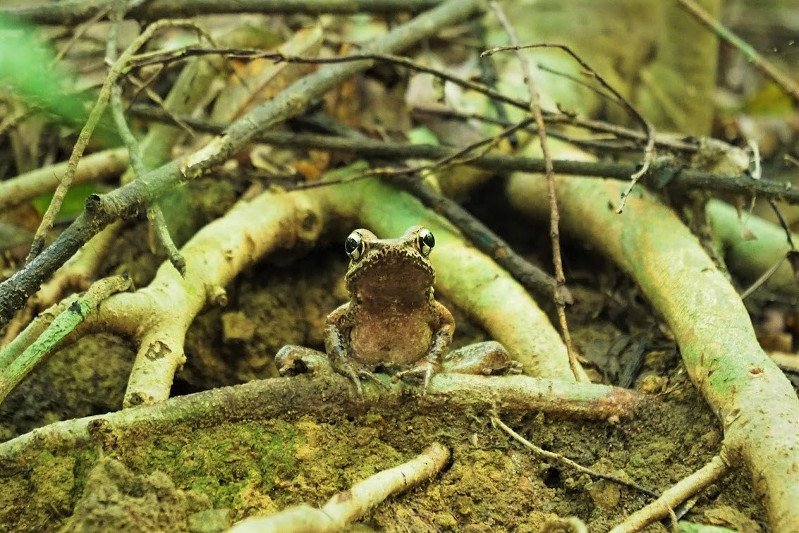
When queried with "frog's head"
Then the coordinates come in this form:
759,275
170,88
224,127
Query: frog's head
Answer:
390,268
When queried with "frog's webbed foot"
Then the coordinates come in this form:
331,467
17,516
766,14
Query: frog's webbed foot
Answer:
487,358
292,360
355,372
423,371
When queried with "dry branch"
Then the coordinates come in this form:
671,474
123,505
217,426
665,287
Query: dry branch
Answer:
76,11
94,167
14,369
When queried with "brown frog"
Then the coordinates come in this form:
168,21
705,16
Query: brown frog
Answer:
392,321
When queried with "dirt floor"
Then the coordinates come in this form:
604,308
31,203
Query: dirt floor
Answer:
205,478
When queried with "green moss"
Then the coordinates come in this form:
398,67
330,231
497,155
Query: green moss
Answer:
222,462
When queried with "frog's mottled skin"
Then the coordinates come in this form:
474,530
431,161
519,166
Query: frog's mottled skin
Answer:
392,321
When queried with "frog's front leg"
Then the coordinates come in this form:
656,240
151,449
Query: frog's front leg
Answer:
336,348
444,327
483,358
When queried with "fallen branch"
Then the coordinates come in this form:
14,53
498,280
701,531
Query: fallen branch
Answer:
77,11
94,167
659,175
348,506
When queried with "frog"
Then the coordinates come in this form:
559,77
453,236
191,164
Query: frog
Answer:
392,321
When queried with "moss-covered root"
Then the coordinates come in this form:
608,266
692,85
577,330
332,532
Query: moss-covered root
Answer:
472,280
327,394
160,314
747,257
755,402
13,371
347,507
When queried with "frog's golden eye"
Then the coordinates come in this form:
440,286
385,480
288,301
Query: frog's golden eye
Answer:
426,241
354,246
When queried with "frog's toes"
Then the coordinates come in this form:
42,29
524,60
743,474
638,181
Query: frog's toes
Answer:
365,374
292,360
422,371
514,367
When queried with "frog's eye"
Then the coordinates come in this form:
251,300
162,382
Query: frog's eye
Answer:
354,246
426,241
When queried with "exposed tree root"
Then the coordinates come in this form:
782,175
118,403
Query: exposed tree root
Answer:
664,506
347,507
329,395
752,398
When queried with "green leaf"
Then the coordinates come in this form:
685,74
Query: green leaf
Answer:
73,201
29,71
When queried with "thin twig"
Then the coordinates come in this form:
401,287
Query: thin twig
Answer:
763,278
154,213
461,156
69,12
649,129
88,128
679,176
80,32
560,298
783,222
758,61
568,462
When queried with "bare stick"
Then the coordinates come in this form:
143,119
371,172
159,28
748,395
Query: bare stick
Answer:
34,329
154,213
760,63
713,471
649,149
94,167
348,506
554,216
77,11
679,176
568,462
